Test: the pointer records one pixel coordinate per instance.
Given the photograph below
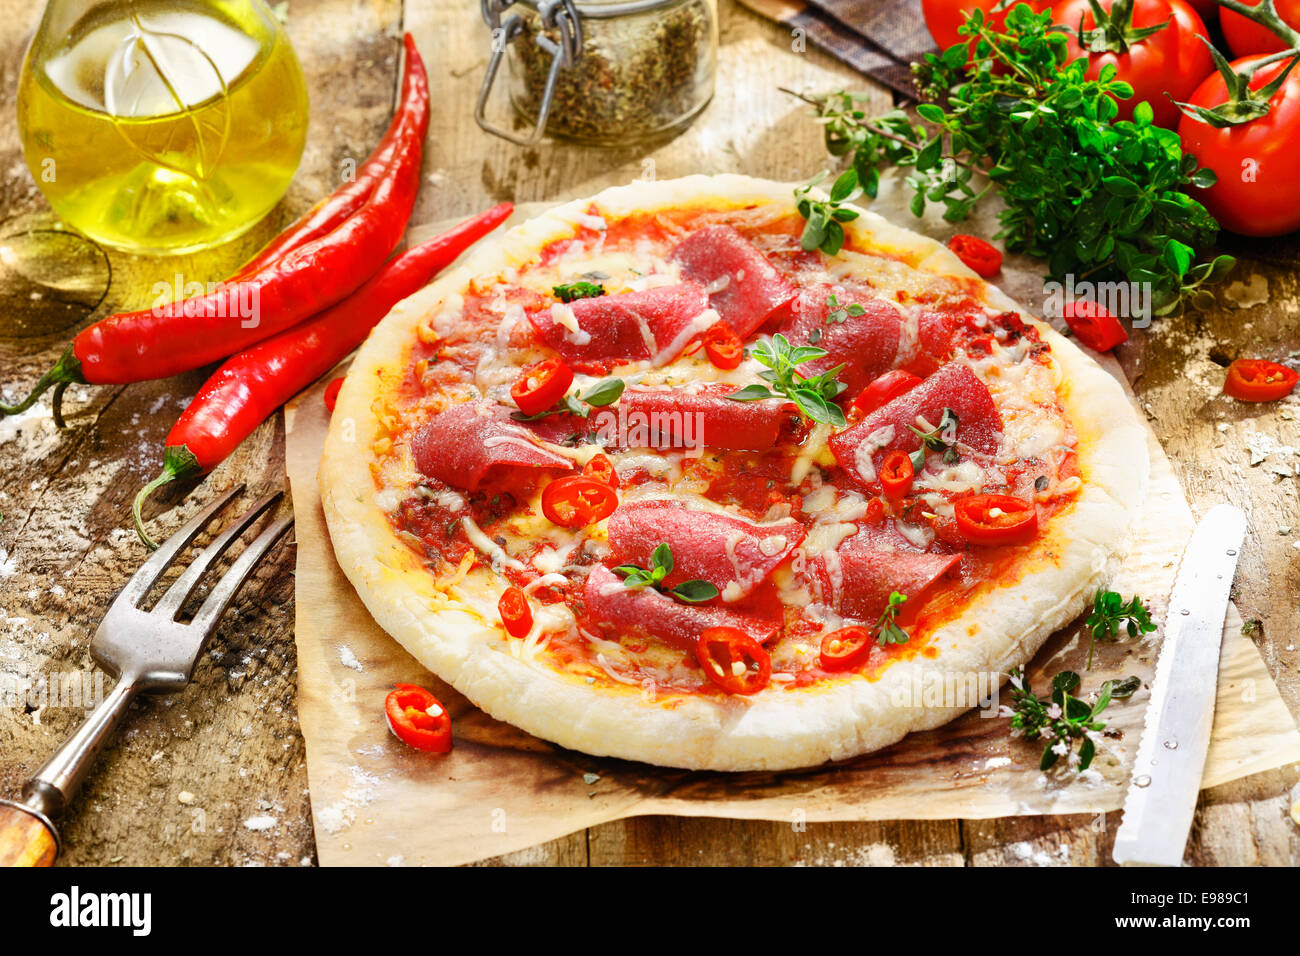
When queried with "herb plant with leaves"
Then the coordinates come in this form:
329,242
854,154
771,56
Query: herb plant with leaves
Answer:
1063,720
814,396
661,565
1097,198
1110,612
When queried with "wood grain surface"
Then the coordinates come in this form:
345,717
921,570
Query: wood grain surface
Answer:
216,775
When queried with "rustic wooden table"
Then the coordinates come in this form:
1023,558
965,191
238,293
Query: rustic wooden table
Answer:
216,775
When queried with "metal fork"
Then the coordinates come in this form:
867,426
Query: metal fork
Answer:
147,651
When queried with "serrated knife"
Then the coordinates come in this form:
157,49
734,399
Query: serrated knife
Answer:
1171,757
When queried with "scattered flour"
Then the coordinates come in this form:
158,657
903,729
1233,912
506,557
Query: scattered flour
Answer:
264,822
348,659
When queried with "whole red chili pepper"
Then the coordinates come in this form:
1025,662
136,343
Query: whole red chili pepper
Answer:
330,212
156,343
248,387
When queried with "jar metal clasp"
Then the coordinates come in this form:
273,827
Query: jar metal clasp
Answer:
560,15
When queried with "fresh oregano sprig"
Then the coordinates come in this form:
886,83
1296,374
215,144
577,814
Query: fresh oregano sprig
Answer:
1110,612
942,438
887,628
661,565
1097,198
569,291
1063,720
824,228
814,396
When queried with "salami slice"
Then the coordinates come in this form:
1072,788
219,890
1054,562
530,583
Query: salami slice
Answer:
463,443
664,418
653,324
733,554
857,581
744,288
610,602
860,449
863,339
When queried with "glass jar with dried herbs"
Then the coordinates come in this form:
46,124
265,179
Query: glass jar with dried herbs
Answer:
605,72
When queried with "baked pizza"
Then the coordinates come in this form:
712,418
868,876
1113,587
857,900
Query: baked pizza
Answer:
647,479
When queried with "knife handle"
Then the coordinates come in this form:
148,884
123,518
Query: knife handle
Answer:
25,838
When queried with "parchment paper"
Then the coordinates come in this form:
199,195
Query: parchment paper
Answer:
376,801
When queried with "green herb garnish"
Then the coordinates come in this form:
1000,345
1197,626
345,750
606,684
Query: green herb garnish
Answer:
605,392
942,438
814,396
661,565
1063,719
1094,196
1110,612
568,291
840,313
823,229
887,629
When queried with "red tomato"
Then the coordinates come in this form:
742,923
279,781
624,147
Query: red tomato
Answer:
723,346
845,648
602,469
1257,163
1093,325
896,474
979,256
1172,60
1258,380
541,386
733,660
332,393
417,718
996,519
1207,10
884,390
943,17
516,613
1245,36
577,501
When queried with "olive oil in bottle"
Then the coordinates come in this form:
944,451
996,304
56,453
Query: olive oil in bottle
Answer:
162,126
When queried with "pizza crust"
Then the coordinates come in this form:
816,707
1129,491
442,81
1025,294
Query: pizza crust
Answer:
776,729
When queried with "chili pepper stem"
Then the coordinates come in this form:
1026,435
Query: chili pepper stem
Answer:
66,371
178,462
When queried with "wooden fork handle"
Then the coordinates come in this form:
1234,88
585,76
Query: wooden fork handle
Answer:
25,838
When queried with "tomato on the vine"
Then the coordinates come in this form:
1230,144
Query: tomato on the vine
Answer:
1256,162
1172,60
1245,36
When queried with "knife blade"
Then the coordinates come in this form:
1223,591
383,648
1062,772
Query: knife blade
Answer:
1166,777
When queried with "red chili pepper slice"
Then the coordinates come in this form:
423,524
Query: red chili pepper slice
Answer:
884,390
875,512
601,469
418,719
896,474
248,387
723,346
332,393
516,613
541,386
845,648
733,660
159,342
1093,325
980,257
577,501
1259,380
996,519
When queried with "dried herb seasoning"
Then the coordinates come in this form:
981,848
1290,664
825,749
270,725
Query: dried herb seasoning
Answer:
638,75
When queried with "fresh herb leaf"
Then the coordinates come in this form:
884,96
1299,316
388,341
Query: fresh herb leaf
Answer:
813,396
942,438
887,629
1109,613
1063,720
569,291
823,227
840,314
661,565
